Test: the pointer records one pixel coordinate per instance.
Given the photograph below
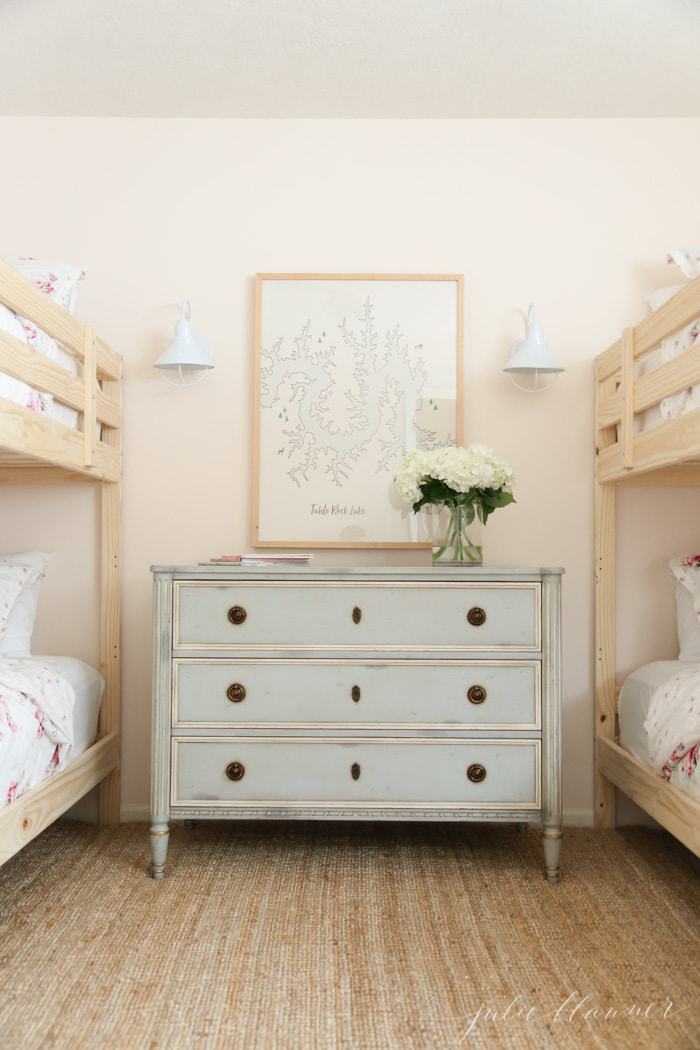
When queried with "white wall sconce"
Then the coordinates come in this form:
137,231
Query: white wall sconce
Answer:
532,358
185,361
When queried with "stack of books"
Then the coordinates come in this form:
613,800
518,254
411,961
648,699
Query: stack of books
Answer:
261,560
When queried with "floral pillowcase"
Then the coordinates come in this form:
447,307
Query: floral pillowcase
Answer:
57,280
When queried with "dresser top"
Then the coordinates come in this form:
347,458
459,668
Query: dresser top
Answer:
424,573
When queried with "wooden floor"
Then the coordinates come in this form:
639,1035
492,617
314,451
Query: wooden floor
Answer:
356,936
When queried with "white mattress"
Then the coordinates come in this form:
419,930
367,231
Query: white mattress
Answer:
633,705
89,687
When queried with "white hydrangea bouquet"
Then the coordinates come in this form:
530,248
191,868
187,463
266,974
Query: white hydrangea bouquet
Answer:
470,482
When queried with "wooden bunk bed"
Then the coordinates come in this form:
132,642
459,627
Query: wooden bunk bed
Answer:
35,448
668,454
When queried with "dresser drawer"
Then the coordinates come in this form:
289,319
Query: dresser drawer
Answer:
291,770
367,616
442,694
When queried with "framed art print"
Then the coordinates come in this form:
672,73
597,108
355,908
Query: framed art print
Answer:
351,372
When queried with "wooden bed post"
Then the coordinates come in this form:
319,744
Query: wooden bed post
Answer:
604,578
110,554
627,394
110,522
605,695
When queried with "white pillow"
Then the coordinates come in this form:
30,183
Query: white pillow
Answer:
15,580
686,571
661,296
687,260
16,638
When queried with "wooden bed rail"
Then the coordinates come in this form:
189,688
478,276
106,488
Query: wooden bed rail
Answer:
28,815
21,362
620,452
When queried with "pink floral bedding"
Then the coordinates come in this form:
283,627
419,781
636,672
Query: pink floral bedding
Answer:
36,725
673,728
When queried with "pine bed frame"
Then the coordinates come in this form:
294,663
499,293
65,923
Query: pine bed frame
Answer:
667,455
35,449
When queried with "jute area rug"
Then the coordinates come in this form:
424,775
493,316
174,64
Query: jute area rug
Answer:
353,936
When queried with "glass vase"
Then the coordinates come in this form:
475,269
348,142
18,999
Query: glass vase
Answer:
458,545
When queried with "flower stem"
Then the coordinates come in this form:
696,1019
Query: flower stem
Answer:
456,536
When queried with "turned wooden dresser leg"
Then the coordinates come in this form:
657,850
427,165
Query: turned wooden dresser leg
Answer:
551,725
160,833
160,736
551,840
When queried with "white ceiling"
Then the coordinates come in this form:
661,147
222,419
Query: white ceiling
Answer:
350,58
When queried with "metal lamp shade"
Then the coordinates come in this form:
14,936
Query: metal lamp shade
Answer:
186,360
532,354
188,352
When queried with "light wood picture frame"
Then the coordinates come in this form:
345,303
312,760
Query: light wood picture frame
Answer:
350,371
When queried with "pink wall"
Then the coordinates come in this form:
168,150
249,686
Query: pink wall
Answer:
575,215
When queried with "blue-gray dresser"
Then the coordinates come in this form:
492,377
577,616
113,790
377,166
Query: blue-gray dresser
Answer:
356,694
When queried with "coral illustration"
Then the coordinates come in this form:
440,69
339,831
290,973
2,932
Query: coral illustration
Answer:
339,399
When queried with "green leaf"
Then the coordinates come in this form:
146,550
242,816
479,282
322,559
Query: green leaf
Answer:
485,501
435,492
492,499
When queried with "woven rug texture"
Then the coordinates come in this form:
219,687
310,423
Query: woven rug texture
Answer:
276,936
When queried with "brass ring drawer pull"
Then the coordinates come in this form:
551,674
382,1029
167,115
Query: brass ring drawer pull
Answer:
476,694
237,615
476,616
355,771
356,614
236,692
235,771
355,693
476,773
